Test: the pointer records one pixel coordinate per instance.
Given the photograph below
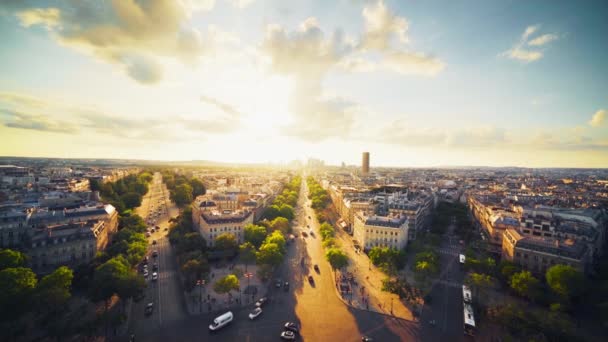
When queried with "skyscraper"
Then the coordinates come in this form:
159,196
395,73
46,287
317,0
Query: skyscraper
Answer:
365,164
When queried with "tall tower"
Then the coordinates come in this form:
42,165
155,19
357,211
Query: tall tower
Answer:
365,164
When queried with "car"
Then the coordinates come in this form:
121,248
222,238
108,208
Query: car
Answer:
307,226
286,286
148,234
288,335
155,267
316,267
291,326
157,227
311,279
309,216
261,302
255,313
146,273
304,234
311,233
146,258
278,283
154,276
154,242
149,308
166,229
155,253
366,339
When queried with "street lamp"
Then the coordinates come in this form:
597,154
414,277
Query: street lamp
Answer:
248,275
200,284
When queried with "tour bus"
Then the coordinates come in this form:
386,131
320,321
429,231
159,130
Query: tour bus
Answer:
466,294
220,321
469,320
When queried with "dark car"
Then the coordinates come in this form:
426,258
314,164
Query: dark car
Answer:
291,326
311,279
366,339
155,267
304,234
149,309
316,267
155,253
278,283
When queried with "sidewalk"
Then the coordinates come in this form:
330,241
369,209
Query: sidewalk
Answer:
366,284
203,299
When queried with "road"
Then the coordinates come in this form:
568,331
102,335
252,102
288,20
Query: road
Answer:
316,307
446,307
165,293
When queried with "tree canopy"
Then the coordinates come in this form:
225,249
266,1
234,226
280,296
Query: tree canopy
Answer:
226,284
337,259
10,258
225,242
525,284
565,280
255,234
270,254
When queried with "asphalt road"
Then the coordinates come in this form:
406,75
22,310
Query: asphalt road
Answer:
165,293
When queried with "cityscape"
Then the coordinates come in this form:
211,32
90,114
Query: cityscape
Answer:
263,170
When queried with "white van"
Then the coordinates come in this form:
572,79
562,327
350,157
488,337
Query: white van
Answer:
221,321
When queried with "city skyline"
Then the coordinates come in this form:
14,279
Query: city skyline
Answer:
415,84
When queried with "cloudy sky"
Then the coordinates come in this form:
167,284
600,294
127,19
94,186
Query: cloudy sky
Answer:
416,83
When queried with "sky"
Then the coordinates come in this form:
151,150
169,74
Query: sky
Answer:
415,83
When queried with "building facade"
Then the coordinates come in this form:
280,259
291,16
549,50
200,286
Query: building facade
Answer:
380,231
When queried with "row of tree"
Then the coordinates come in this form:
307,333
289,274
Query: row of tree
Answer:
389,260
283,204
125,193
182,189
320,199
27,301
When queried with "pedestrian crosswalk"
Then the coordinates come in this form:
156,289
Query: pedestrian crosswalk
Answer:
451,250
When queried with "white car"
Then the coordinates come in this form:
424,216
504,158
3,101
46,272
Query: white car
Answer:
154,276
288,335
145,273
255,313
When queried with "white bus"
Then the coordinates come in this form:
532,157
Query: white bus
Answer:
469,320
466,294
220,321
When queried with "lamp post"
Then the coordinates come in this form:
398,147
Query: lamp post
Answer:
248,275
200,295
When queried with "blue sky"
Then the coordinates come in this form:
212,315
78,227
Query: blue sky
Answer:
416,83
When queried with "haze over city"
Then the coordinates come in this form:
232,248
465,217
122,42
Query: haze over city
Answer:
417,83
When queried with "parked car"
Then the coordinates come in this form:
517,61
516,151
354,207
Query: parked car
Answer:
155,253
366,339
255,313
155,267
288,335
292,327
154,242
316,267
311,279
304,234
261,302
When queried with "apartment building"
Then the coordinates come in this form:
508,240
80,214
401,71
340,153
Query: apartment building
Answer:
211,221
68,244
537,254
381,231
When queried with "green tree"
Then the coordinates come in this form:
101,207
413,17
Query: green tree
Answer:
134,222
277,238
226,242
182,195
10,259
281,224
194,269
327,231
565,280
108,277
53,290
247,253
226,284
255,234
525,284
337,259
270,254
131,200
16,287
198,188
480,283
287,211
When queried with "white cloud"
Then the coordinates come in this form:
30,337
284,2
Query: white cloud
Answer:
48,17
413,63
598,118
382,26
542,40
117,30
521,51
